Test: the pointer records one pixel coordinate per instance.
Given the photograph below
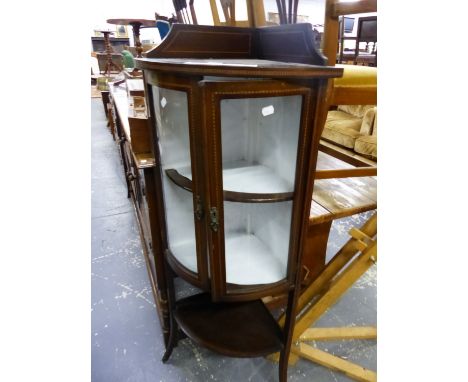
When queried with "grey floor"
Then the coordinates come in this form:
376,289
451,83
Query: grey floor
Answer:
127,343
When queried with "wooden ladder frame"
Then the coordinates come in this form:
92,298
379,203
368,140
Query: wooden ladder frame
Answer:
346,267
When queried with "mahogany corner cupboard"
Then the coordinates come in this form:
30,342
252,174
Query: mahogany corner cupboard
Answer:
236,115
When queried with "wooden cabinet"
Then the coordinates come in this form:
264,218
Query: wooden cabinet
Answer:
235,123
228,210
130,129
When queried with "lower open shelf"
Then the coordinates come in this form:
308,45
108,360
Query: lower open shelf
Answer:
235,329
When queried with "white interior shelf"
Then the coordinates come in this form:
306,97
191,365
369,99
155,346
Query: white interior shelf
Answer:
249,261
240,176
244,177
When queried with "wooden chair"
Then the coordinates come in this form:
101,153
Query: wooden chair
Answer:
358,86
163,23
366,32
343,22
185,16
255,13
287,11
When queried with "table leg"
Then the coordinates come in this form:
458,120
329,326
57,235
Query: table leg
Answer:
136,36
105,102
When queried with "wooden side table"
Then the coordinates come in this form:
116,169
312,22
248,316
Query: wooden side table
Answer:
110,63
136,24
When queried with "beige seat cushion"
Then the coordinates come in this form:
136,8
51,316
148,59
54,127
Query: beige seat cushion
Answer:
342,128
355,110
366,145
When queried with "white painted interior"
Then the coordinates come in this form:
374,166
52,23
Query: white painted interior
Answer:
256,241
259,156
266,143
171,112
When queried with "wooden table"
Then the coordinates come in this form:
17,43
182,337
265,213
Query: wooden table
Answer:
136,24
333,199
110,63
341,197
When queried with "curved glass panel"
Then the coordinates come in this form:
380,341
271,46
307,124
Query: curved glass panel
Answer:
259,149
172,127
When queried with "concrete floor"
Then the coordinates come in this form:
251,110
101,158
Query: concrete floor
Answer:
127,343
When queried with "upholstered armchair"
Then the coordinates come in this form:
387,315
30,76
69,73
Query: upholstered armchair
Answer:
353,127
350,126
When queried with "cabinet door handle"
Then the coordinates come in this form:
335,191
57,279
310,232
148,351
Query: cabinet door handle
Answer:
198,207
214,219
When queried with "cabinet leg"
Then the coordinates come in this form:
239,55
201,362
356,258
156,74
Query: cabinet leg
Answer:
283,365
288,327
173,338
173,327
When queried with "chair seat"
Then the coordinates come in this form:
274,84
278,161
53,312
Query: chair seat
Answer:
366,145
358,86
342,128
364,57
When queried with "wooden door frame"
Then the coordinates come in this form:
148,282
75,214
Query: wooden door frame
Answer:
189,85
213,93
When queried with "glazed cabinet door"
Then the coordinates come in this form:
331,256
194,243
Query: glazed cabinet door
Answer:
181,216
254,130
